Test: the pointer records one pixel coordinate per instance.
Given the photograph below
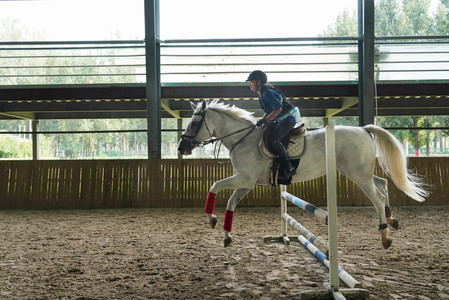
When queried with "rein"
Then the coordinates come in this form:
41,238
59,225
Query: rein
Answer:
235,145
210,141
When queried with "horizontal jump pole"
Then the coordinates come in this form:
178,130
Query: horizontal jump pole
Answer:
342,274
305,232
320,213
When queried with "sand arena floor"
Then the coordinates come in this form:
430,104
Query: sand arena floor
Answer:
173,254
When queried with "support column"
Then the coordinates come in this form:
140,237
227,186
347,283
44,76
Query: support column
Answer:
153,81
179,134
366,61
35,138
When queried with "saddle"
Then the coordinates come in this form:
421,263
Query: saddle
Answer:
294,143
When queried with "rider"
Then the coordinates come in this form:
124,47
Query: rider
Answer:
278,111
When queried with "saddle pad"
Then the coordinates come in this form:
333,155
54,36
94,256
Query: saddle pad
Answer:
295,148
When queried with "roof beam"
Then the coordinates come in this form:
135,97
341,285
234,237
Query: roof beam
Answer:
14,116
347,103
128,101
166,106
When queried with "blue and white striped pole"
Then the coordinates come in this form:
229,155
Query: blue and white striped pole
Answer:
322,214
342,274
307,233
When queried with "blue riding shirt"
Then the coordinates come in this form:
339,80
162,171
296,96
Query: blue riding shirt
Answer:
271,99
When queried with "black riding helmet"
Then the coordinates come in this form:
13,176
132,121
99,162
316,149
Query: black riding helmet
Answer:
258,75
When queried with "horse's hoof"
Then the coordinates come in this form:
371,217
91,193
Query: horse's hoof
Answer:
386,241
213,222
394,223
386,244
227,242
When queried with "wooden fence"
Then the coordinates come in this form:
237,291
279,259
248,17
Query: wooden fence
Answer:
175,183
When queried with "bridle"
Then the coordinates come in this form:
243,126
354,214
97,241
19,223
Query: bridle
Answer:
197,129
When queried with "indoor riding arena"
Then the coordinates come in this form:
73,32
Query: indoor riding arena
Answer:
118,150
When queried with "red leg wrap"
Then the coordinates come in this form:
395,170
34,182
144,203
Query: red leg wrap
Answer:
228,220
210,203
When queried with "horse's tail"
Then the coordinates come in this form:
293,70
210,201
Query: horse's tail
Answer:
394,162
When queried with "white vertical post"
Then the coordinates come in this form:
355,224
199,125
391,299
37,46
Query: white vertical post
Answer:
283,211
284,224
331,185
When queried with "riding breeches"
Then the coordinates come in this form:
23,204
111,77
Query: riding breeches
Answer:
280,130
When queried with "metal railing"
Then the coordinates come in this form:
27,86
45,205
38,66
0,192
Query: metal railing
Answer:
416,58
285,59
81,62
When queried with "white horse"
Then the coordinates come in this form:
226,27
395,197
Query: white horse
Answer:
355,155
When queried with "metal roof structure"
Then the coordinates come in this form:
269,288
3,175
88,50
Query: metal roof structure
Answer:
106,79
325,77
128,100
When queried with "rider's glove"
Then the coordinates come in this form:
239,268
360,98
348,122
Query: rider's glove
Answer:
262,122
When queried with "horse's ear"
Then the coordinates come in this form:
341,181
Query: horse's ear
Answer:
193,105
203,105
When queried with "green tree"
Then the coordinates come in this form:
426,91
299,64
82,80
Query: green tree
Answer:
396,17
389,18
418,18
401,135
442,18
15,147
345,25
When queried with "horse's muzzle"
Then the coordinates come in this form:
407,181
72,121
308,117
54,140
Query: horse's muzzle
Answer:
185,146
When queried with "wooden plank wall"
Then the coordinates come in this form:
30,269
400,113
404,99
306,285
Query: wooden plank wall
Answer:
85,184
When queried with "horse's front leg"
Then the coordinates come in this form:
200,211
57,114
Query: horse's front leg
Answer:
240,183
209,209
229,216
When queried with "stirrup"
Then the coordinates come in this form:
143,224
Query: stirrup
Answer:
291,172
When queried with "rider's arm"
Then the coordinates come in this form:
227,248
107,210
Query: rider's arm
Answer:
273,114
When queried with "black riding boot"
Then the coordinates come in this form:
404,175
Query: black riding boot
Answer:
282,152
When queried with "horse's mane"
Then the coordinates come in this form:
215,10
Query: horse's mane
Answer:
231,111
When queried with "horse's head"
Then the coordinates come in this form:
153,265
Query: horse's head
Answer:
195,132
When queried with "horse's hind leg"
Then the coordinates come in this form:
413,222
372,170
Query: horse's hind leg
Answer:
382,186
378,199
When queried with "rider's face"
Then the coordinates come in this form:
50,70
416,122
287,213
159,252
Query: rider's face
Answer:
253,85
